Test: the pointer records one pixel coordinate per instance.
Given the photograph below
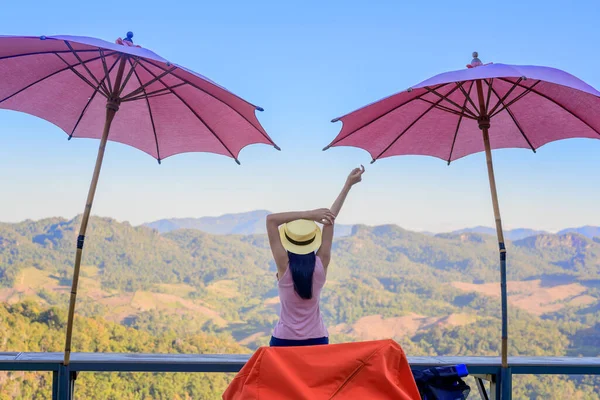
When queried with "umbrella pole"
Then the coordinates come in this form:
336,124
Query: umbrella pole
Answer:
500,233
110,113
112,106
484,125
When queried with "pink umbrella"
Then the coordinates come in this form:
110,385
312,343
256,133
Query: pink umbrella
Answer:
484,107
79,84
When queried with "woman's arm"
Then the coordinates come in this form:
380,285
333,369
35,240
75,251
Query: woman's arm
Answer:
274,221
324,252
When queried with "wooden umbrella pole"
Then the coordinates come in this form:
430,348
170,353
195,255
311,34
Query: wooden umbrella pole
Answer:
112,106
484,125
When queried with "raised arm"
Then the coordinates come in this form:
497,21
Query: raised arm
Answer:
324,252
274,221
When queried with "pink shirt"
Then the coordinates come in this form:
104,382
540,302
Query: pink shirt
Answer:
300,318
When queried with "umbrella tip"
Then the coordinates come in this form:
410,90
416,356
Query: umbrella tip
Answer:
276,147
326,147
476,62
237,161
260,109
70,137
373,160
335,120
43,37
158,159
129,37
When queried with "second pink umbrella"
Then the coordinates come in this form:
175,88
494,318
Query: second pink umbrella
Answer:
480,108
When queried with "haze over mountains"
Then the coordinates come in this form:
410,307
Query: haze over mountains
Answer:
253,222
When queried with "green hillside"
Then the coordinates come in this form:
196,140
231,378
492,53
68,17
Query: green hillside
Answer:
188,291
28,327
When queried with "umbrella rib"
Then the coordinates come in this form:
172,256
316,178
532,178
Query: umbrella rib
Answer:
199,88
149,112
448,109
558,104
143,86
41,53
195,114
502,99
517,98
40,80
378,117
106,73
91,98
222,101
450,101
489,96
458,124
128,77
415,121
84,66
83,112
83,78
158,92
462,89
512,117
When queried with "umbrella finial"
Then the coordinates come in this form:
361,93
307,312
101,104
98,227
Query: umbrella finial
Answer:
129,37
476,62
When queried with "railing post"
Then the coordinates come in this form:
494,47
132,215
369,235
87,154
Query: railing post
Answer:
506,384
66,382
496,385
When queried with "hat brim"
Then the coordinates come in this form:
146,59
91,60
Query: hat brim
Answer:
293,248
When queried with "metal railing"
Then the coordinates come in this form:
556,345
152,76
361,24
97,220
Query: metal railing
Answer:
483,369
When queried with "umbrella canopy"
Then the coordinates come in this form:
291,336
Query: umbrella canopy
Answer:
480,108
527,107
118,91
164,109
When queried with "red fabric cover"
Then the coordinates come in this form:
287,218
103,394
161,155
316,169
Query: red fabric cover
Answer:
364,370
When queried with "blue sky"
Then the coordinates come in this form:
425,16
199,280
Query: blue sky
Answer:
305,63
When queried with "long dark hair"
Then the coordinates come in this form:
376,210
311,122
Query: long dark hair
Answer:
302,268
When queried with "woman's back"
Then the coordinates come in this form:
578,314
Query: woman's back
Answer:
301,318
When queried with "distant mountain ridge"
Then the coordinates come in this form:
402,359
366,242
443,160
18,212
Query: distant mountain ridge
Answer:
522,233
253,223
247,223
511,234
587,231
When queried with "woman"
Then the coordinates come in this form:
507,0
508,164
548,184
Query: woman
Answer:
294,238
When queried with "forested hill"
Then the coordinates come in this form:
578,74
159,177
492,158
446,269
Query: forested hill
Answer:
434,294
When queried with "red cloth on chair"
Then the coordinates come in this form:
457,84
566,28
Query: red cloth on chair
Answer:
363,370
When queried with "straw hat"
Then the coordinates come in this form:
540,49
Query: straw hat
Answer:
300,236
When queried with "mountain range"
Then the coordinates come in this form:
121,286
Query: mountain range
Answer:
521,233
187,291
253,222
510,234
248,223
